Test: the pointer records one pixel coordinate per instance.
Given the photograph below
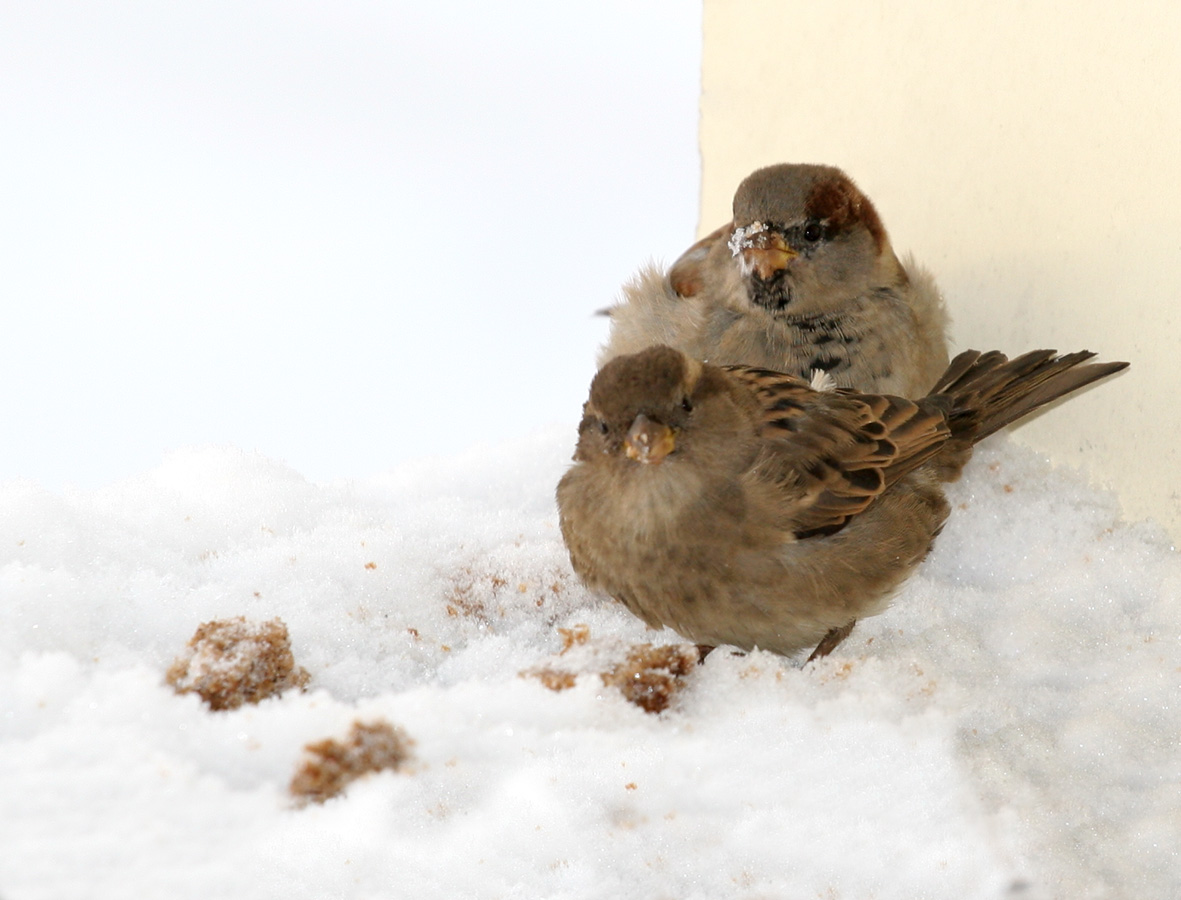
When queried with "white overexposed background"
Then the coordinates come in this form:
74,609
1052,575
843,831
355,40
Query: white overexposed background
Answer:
343,235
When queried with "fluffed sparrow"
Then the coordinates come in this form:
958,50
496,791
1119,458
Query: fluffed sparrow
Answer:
803,279
739,506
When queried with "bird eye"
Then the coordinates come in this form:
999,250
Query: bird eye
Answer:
687,404
813,232
591,423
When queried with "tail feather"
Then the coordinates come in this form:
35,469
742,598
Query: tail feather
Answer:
987,391
964,366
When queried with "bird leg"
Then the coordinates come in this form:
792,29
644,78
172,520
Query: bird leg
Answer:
830,641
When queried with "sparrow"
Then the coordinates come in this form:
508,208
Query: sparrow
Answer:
738,505
803,279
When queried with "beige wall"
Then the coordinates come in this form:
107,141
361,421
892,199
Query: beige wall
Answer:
1029,154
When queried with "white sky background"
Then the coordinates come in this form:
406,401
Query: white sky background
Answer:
341,234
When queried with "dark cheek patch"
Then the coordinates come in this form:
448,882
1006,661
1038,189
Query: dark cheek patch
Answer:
838,202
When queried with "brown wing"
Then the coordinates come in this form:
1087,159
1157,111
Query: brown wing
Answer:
832,453
687,274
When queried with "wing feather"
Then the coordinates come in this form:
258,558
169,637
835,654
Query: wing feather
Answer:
831,454
688,274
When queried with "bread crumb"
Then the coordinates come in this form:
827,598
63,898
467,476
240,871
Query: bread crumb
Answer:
229,662
554,679
650,677
329,766
574,636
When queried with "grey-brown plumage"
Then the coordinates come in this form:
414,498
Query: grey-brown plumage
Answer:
739,506
803,279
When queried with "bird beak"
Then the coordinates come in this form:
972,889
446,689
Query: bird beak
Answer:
763,251
648,441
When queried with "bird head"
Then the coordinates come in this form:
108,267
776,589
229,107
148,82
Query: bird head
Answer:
657,405
805,239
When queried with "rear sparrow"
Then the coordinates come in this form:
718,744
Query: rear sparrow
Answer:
802,280
739,506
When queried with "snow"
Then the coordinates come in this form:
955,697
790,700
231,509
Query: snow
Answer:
741,234
1007,729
